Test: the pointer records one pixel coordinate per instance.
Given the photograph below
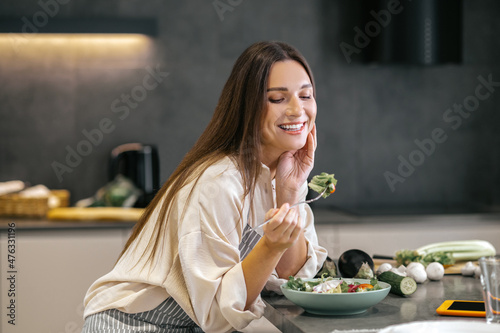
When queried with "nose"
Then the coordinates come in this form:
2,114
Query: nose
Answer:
294,107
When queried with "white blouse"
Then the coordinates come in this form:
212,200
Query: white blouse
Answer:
199,262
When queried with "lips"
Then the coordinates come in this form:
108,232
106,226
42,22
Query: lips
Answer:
295,127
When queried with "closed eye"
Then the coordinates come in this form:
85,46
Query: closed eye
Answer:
276,101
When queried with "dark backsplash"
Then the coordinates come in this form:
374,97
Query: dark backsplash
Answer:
394,135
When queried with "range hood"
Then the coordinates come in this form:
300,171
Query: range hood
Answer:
418,32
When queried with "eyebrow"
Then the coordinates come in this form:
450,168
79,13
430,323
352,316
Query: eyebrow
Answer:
307,85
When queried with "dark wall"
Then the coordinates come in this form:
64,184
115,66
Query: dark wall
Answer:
369,115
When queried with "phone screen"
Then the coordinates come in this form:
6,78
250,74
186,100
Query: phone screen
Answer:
467,306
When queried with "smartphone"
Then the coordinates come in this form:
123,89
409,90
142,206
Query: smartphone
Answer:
462,308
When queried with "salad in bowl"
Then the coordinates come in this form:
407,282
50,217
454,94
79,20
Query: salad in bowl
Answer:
330,285
335,296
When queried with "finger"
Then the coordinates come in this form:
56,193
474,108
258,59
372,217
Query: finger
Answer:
295,234
270,213
279,216
295,229
315,136
279,226
289,223
311,145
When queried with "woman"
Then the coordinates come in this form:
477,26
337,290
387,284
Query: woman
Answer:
196,261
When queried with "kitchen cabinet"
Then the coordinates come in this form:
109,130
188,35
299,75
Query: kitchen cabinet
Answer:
53,269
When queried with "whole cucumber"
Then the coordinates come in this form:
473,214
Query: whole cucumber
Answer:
400,285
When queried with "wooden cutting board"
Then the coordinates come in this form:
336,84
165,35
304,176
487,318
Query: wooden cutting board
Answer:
454,269
95,214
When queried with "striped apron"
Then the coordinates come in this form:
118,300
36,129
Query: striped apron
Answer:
168,317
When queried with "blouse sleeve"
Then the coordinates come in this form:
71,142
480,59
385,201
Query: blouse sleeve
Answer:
316,254
209,256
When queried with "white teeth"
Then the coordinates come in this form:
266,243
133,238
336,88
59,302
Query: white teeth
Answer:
291,127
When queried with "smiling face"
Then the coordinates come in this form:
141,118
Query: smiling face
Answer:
291,110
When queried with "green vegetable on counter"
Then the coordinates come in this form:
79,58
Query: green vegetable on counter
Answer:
405,257
324,180
446,253
400,285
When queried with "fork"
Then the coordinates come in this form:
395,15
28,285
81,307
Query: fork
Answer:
296,204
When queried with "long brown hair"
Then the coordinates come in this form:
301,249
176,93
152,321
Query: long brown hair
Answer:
233,131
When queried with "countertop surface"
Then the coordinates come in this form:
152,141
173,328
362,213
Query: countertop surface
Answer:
28,224
394,309
322,216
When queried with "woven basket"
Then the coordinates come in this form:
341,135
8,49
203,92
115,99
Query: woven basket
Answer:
15,205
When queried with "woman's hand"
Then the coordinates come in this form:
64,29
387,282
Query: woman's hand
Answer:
280,234
293,169
283,229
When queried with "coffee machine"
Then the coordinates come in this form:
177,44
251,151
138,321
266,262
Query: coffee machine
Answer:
139,163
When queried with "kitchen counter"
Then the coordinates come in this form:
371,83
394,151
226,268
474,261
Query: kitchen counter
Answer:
321,216
27,224
79,251
394,309
337,231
